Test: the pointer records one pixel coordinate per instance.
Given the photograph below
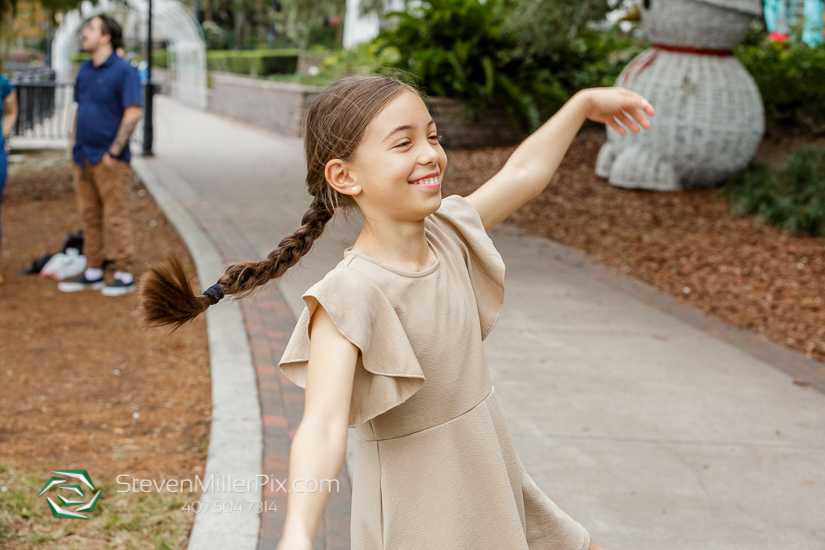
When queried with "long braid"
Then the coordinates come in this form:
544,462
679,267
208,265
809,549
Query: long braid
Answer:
241,279
166,297
336,123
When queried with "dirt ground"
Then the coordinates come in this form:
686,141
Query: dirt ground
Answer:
81,385
689,244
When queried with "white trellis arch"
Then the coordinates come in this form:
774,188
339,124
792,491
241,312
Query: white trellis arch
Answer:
360,27
171,21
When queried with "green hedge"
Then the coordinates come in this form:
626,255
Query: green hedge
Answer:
253,62
789,77
159,58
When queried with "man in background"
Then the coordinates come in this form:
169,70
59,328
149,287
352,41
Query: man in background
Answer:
108,94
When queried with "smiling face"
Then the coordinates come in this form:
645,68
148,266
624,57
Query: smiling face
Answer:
399,164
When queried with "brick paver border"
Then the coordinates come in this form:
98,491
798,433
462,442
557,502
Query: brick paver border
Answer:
269,323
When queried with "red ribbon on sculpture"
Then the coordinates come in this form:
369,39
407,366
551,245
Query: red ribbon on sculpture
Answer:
646,59
692,50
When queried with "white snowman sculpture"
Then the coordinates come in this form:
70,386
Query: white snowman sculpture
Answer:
709,116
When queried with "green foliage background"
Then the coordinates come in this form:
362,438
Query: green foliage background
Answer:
483,54
7,7
790,77
791,197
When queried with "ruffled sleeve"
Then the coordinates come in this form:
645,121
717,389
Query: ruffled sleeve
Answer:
462,223
387,372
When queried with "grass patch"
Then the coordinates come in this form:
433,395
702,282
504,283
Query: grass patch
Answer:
150,521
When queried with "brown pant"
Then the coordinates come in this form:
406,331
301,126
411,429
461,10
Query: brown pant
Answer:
101,190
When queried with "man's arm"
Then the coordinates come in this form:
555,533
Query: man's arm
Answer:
131,115
76,102
71,135
130,100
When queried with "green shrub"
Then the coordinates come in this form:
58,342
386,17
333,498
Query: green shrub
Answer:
789,77
80,57
592,59
456,48
279,63
366,58
324,35
160,58
217,37
792,197
253,62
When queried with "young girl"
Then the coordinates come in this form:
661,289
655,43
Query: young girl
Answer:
390,340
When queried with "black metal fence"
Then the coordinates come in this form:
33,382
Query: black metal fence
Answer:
47,110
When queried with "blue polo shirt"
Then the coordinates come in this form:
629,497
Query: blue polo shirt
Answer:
102,94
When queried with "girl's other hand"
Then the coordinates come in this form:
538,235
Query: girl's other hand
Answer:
613,105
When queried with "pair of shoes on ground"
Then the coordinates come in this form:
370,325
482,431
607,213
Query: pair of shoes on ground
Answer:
116,288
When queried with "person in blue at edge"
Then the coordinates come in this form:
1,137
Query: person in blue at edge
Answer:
108,94
8,117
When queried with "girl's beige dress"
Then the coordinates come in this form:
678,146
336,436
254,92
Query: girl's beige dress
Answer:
435,467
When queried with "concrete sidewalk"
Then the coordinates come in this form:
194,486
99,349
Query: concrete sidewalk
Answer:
647,429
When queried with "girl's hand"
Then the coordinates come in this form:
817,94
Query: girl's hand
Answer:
609,105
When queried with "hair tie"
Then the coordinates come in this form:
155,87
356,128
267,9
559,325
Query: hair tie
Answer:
215,293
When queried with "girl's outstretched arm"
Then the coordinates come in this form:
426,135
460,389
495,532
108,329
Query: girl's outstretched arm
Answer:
532,165
320,442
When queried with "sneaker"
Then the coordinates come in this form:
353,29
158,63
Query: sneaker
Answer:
80,283
118,288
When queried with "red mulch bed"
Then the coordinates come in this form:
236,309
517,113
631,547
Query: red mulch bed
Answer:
83,386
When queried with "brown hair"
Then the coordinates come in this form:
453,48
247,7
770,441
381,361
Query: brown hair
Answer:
335,125
112,28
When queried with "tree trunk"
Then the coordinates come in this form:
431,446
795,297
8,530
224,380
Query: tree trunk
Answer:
240,20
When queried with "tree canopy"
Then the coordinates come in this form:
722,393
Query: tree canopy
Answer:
9,7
